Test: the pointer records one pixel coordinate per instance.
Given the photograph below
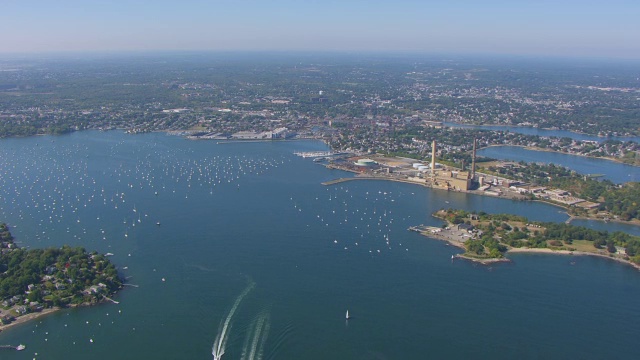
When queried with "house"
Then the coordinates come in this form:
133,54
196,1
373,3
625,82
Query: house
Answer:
465,227
621,250
6,319
36,306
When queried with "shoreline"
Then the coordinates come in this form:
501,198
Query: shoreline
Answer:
37,315
572,253
448,239
460,245
634,222
29,317
482,261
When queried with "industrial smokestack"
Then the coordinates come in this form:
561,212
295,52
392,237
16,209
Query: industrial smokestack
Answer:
433,157
473,160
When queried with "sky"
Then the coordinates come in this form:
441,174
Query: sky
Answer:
586,28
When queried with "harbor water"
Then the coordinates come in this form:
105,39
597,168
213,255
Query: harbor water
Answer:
237,251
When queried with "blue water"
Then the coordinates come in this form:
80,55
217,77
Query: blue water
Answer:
250,225
608,226
543,132
616,172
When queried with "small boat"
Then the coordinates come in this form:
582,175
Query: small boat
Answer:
452,257
158,223
347,315
20,347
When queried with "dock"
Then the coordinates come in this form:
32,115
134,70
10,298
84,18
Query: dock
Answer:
110,299
341,180
313,154
386,178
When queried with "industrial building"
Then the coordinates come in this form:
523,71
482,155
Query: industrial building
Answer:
451,179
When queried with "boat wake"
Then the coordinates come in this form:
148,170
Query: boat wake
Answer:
253,348
220,343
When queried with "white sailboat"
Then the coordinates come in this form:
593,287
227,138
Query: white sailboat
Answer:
347,315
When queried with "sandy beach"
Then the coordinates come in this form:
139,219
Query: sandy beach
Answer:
28,317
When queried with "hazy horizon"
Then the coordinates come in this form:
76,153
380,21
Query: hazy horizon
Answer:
496,27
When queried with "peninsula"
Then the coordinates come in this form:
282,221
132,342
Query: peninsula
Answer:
36,282
486,238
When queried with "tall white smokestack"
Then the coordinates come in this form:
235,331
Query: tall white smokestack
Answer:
433,157
473,160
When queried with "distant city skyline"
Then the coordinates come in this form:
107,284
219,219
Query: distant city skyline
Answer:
586,28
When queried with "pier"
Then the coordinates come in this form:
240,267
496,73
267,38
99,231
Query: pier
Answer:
314,153
387,178
341,180
110,299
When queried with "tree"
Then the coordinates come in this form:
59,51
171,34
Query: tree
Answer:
611,247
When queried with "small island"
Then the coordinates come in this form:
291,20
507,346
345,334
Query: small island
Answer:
486,238
36,282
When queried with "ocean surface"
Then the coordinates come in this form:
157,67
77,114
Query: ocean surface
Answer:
237,251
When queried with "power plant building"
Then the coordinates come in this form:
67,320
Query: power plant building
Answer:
451,179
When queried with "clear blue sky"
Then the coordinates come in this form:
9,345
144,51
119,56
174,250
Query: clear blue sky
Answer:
538,27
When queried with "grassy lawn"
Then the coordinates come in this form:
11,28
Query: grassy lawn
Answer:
583,245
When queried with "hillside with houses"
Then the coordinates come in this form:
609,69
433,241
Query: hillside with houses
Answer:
37,279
